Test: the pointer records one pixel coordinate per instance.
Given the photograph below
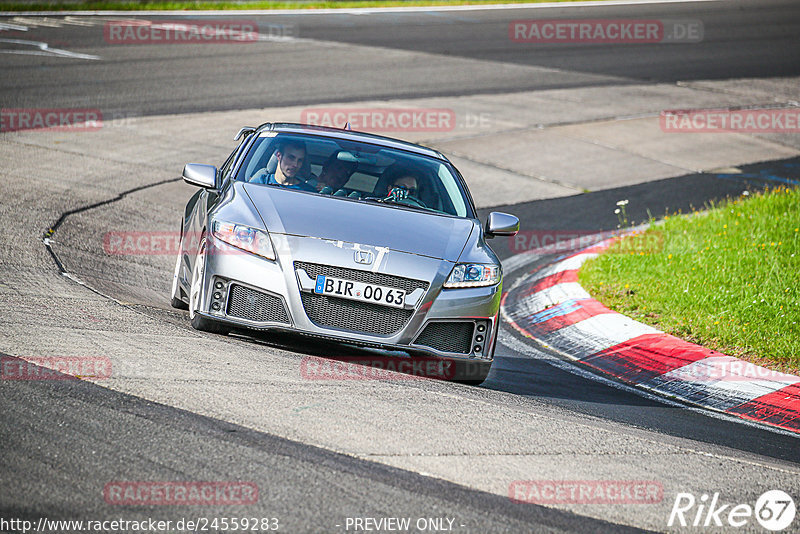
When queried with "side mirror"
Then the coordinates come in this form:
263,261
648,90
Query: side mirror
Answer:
501,224
204,176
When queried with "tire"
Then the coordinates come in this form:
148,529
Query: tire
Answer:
469,372
176,301
198,321
473,372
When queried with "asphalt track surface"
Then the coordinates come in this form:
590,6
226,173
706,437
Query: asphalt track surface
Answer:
84,435
755,38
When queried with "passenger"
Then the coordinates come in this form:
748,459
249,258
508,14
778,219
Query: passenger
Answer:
406,181
335,173
290,156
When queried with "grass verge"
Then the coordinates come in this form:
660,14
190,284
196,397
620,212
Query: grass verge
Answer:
727,278
169,5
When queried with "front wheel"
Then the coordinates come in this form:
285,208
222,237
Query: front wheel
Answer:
471,372
176,301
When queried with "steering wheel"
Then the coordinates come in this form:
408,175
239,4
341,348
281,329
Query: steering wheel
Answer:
414,202
399,195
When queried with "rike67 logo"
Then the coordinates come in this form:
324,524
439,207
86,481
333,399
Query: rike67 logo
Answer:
774,510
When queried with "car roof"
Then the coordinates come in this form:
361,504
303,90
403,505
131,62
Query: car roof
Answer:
351,135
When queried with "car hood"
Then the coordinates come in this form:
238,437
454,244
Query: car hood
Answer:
308,215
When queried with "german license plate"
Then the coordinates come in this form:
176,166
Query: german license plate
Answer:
353,290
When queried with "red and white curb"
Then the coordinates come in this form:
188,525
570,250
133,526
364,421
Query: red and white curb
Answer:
549,305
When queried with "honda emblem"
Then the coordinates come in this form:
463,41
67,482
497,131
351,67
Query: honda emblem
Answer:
364,256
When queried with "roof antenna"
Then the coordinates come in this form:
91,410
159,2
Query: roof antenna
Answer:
347,126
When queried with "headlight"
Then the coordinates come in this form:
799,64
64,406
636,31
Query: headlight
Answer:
245,238
473,275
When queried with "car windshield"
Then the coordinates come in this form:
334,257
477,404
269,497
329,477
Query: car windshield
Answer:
356,171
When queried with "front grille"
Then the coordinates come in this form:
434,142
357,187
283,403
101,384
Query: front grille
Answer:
246,303
450,336
353,315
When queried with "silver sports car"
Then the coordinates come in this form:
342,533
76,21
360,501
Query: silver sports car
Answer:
346,236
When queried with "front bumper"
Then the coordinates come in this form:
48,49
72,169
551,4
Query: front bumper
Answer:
247,291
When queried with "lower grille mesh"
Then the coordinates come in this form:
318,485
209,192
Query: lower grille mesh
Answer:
246,303
353,315
451,336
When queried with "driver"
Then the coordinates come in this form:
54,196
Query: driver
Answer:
290,156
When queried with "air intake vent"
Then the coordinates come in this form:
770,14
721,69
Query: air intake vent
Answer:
447,336
246,303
